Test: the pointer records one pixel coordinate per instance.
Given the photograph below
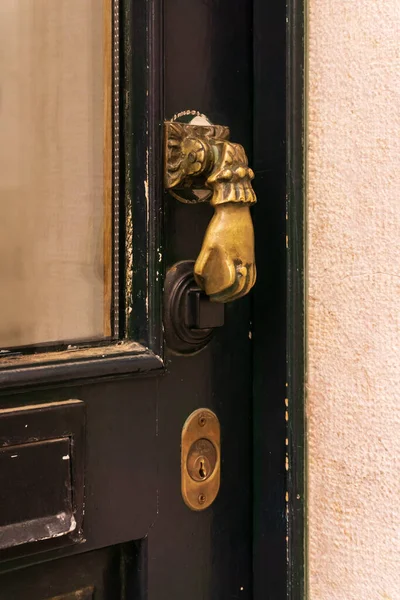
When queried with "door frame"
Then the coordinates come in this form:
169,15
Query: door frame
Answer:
296,297
279,510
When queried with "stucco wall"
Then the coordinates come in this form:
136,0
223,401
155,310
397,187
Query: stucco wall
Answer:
354,299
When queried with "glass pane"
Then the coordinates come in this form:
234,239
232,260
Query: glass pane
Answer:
55,162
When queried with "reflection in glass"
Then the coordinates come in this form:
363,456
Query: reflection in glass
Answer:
54,181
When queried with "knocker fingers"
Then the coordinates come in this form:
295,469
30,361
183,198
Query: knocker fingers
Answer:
238,289
214,272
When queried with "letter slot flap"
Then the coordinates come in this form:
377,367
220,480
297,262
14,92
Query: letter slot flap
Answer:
41,474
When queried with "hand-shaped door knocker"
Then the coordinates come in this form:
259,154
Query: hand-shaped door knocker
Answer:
202,164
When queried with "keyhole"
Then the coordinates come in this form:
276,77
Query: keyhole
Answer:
202,470
201,460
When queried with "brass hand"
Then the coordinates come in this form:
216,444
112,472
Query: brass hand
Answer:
225,267
202,158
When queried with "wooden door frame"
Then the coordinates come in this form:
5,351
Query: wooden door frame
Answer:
279,547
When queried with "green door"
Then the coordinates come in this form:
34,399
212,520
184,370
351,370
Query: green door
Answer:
103,357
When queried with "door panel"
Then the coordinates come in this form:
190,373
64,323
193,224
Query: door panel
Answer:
120,502
107,574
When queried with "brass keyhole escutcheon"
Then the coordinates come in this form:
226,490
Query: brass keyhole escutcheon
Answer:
200,459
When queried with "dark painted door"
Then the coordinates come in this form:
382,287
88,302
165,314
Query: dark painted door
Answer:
90,432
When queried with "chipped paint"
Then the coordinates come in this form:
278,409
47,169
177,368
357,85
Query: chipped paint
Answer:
86,593
147,199
62,518
64,355
128,258
36,530
31,407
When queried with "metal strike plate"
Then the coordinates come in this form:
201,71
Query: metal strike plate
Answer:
201,459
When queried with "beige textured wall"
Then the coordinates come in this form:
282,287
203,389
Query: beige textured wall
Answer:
354,299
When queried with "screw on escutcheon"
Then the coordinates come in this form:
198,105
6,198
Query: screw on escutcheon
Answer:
202,420
202,498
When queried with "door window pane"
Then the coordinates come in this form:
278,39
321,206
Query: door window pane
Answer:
55,171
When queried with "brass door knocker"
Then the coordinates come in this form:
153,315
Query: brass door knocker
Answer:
201,164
